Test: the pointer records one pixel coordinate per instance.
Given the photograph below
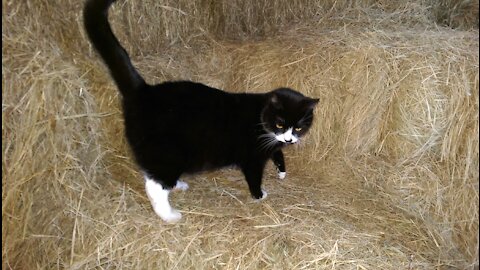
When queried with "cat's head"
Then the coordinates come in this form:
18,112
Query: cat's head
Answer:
288,115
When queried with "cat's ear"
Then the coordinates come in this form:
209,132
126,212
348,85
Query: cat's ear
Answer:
310,103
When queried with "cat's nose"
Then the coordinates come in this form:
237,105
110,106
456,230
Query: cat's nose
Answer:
288,141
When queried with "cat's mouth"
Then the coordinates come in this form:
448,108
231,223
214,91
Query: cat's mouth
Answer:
287,142
287,137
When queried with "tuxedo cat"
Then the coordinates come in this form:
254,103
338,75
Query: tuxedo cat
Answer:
183,127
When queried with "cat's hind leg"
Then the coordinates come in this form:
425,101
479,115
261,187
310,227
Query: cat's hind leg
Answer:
158,196
279,162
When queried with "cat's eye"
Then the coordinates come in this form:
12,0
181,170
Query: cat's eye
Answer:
298,129
279,126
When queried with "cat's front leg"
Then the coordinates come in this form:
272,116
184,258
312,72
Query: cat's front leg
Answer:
279,162
253,172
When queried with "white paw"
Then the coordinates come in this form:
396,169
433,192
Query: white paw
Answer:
181,185
264,195
170,217
173,217
282,175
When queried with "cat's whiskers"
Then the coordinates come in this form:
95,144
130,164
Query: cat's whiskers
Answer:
265,142
267,135
268,146
268,142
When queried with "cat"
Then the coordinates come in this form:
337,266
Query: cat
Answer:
183,127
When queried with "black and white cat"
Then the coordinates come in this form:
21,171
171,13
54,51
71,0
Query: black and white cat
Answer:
183,127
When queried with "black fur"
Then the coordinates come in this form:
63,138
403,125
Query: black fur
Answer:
186,127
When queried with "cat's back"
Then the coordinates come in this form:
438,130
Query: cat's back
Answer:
186,94
187,89
191,97
189,101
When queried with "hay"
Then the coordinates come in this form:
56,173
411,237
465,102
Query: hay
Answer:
387,178
457,13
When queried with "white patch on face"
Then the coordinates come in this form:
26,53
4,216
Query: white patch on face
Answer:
159,199
287,136
282,175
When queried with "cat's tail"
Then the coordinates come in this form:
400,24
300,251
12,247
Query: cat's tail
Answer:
127,78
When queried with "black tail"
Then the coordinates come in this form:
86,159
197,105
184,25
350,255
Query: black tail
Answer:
95,15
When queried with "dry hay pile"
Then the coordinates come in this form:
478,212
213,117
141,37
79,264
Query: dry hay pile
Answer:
387,178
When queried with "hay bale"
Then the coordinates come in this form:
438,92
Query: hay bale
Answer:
148,24
406,96
456,13
387,178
